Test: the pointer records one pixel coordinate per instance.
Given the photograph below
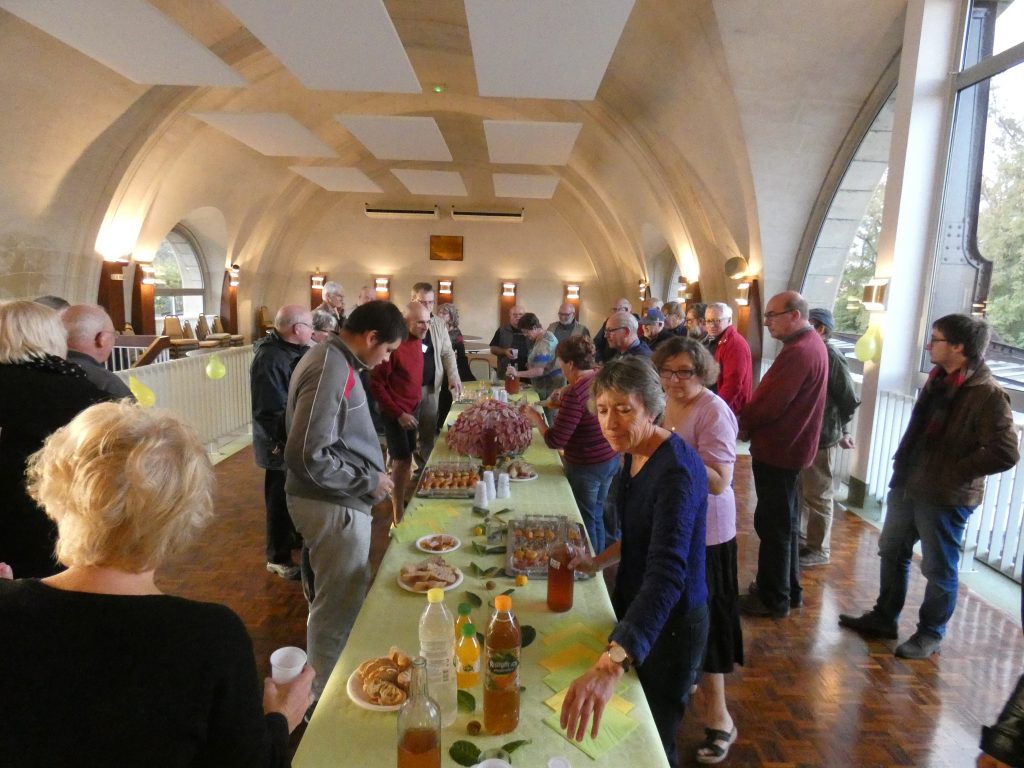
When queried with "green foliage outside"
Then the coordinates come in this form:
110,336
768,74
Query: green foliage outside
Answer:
1001,226
860,267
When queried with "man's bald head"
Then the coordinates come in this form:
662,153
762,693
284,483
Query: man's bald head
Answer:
90,331
294,324
417,319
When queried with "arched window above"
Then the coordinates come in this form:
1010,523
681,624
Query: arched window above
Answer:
178,269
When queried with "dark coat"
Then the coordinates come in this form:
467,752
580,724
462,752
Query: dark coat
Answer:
34,404
978,439
273,361
840,399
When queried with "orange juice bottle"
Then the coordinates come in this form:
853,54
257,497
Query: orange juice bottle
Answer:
464,617
467,655
501,668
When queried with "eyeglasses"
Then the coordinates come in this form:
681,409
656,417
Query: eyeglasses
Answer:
773,315
682,374
305,324
613,330
936,340
714,320
565,314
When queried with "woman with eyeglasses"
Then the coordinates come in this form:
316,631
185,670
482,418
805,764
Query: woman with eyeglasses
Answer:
706,423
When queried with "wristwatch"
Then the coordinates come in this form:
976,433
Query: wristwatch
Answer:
617,654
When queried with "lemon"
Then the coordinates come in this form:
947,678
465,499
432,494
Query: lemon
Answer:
478,531
522,580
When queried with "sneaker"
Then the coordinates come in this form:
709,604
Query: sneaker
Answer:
813,558
870,624
919,646
752,605
286,571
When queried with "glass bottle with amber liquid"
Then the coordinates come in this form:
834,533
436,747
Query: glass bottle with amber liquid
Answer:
419,724
502,647
561,574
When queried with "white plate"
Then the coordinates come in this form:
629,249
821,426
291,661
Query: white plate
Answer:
420,541
354,688
453,585
523,479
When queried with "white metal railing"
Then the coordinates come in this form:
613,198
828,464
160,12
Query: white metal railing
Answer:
123,358
219,409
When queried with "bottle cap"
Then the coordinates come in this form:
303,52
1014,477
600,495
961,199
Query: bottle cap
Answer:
468,630
559,762
465,609
435,595
502,603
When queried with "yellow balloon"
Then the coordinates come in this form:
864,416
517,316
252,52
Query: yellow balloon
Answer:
869,346
144,396
215,368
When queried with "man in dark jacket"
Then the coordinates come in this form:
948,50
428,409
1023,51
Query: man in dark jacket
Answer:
816,486
783,421
274,359
961,429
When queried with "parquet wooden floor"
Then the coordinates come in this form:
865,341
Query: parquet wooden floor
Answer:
810,695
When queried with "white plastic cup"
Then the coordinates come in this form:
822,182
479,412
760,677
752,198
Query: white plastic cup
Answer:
480,496
286,663
496,393
515,353
489,485
504,489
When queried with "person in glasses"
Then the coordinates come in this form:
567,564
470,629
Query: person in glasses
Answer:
706,423
732,353
695,322
567,324
961,429
783,421
621,332
605,351
274,358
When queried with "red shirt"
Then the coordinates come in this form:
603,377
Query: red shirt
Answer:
397,383
736,375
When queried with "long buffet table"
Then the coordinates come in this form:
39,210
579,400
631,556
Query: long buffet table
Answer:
343,734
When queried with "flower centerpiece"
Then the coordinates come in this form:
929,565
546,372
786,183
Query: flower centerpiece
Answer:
511,430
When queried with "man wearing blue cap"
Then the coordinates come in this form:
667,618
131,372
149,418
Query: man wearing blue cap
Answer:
653,324
816,489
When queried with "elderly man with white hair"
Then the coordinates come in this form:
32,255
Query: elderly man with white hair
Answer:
732,353
621,331
91,338
334,301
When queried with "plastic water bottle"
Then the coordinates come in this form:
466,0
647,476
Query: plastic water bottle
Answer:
437,646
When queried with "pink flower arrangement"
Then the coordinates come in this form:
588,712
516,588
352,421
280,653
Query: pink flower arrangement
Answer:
512,429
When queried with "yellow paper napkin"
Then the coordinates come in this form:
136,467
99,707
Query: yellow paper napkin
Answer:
623,705
615,727
570,654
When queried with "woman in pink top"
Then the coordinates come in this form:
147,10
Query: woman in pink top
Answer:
704,421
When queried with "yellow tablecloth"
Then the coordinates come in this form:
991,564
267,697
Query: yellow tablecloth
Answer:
342,734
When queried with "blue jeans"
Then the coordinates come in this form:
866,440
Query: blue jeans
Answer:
939,529
589,483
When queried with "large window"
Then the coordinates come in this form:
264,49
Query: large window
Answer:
178,269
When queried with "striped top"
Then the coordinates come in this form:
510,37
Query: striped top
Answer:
577,430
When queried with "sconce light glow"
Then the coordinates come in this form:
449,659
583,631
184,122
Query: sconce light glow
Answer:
875,291
444,287
684,286
743,293
382,284
508,289
572,292
642,287
316,280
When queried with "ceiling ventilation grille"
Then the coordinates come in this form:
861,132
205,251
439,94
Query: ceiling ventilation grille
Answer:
505,216
403,213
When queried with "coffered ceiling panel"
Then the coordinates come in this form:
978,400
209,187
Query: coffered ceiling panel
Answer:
399,138
530,143
269,133
332,46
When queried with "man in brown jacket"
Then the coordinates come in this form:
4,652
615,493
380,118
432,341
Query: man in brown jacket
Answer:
961,430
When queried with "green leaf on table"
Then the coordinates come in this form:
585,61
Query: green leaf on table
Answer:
512,746
465,753
497,570
502,511
481,511
474,598
476,569
529,634
509,591
467,701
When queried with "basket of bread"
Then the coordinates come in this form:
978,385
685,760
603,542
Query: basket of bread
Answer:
381,683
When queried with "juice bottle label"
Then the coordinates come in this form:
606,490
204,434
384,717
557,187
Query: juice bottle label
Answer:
503,669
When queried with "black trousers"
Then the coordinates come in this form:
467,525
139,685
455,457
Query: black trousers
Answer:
280,528
777,523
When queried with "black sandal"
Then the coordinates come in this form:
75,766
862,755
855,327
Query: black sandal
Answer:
716,745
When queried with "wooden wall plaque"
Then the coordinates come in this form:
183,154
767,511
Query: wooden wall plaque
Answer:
446,248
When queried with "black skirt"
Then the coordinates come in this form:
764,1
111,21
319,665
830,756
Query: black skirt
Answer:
725,638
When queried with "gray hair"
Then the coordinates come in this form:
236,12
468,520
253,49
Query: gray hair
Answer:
29,331
673,308
84,321
333,289
631,375
324,321
289,315
721,307
626,320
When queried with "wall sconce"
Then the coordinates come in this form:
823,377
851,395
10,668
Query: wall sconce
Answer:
382,287
979,308
875,291
444,287
683,287
736,267
508,289
572,292
147,273
234,275
317,280
743,293
642,287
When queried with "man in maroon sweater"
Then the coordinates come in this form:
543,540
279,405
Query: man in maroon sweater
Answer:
397,387
783,422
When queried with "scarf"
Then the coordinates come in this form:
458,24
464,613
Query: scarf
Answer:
53,364
932,408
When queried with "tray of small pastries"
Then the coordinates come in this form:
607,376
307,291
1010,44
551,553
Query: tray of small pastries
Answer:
529,540
448,480
381,684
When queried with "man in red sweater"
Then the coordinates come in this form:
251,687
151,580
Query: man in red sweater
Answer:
783,423
397,387
732,353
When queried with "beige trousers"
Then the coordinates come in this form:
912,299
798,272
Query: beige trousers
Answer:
817,499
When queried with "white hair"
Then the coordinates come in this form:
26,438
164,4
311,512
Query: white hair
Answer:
721,308
333,289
